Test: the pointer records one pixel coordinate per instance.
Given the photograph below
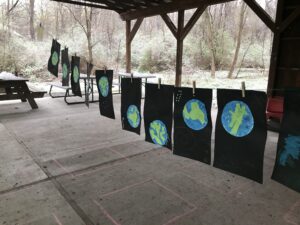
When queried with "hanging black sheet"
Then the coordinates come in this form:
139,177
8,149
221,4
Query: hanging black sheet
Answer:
87,84
75,75
241,133
287,166
192,123
131,104
65,65
158,113
104,82
54,58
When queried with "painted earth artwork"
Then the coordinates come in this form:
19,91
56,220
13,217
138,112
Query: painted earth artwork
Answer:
158,132
291,151
75,74
133,116
195,115
237,119
64,71
54,58
104,86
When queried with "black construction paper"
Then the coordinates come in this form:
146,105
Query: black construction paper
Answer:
75,76
131,104
241,133
287,166
158,114
65,64
192,123
54,58
104,82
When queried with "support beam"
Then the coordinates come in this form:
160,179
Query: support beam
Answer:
130,34
275,49
170,24
85,4
188,27
179,48
261,13
290,19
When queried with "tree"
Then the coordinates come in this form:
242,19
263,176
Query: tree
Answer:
242,20
31,19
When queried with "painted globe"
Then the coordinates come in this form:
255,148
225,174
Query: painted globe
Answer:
54,58
195,115
64,71
104,86
133,116
158,132
237,119
75,74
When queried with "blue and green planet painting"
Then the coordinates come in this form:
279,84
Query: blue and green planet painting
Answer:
133,116
104,86
195,115
237,119
291,151
158,132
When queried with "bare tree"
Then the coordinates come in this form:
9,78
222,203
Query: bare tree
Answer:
242,20
31,19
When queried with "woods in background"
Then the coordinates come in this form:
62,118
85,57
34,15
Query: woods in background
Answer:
227,37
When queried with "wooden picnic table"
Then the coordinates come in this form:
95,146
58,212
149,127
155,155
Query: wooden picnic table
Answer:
16,88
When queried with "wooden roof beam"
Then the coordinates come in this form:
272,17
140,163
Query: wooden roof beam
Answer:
167,7
261,13
85,4
290,19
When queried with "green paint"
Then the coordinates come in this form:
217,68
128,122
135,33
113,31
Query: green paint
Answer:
237,118
134,117
158,133
195,114
54,58
64,71
75,74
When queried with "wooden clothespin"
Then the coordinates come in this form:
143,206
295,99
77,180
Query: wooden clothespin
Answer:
159,83
243,89
131,77
75,54
194,87
65,47
104,68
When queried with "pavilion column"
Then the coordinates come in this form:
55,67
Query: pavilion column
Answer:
180,32
128,47
130,34
179,53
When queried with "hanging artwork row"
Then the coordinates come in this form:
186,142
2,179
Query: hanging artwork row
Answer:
287,166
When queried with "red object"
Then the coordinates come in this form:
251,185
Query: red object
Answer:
275,108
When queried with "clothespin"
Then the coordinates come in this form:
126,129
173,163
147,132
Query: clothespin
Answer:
194,87
65,47
104,68
243,89
75,54
131,77
159,83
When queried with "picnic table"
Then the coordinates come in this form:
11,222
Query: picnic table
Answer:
67,90
144,77
13,87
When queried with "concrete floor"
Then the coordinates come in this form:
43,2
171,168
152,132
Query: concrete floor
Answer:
66,165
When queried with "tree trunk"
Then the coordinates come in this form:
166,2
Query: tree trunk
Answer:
31,20
242,19
211,42
88,20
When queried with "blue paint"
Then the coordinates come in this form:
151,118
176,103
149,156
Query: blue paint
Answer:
291,150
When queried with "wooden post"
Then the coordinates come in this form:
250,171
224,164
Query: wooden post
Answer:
128,46
179,48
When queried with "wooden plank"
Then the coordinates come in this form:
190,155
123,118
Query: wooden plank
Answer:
275,48
291,18
86,4
170,24
168,7
261,13
128,47
179,53
193,20
135,28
